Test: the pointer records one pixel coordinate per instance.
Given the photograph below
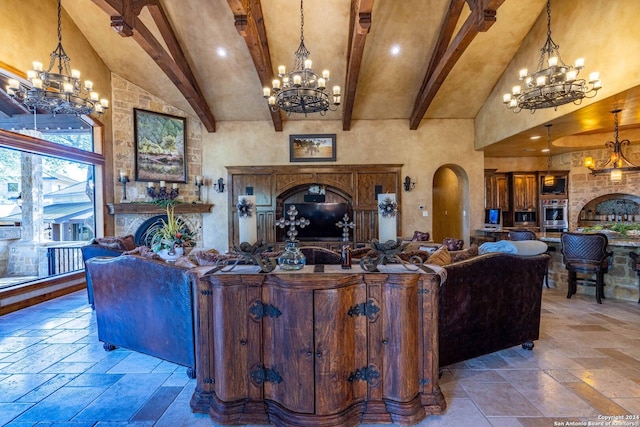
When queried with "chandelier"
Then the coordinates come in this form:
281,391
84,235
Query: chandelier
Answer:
617,163
556,85
58,92
548,178
302,90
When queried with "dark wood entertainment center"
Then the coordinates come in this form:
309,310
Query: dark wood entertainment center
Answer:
275,186
328,348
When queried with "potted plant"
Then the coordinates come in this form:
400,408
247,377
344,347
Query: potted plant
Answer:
172,238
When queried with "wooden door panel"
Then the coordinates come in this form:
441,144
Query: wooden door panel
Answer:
340,346
399,315
229,305
288,347
261,183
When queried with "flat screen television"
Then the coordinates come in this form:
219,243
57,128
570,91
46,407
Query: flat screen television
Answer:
559,186
493,218
322,217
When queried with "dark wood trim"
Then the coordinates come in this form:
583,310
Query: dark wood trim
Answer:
249,22
76,282
33,145
482,17
150,208
125,21
359,26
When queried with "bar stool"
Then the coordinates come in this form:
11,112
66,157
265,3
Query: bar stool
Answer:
530,235
586,253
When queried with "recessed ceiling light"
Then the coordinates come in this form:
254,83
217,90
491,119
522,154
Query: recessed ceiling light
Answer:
545,150
534,137
529,150
395,50
222,52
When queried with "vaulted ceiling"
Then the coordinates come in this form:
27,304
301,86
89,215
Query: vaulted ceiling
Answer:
451,55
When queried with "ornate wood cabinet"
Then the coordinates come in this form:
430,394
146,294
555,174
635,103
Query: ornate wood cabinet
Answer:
330,348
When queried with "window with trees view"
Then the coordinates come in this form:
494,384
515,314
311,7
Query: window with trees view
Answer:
47,198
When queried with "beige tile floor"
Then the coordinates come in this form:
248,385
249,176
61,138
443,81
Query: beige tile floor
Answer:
586,366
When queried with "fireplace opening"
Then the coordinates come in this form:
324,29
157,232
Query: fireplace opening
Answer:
147,229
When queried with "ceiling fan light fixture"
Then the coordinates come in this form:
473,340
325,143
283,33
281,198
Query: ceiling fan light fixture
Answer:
302,90
554,84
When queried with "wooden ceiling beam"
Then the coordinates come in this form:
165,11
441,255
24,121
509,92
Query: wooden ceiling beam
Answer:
482,17
359,26
249,22
124,19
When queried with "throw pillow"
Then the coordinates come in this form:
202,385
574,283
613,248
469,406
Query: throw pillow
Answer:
440,256
128,242
420,236
453,244
465,253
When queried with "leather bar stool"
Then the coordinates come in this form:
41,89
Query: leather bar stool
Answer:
586,253
530,235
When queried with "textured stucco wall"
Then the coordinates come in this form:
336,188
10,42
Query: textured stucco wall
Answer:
604,33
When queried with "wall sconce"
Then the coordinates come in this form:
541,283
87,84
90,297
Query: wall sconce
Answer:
219,186
123,180
199,183
409,184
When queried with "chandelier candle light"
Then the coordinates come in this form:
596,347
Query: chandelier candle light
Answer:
387,217
555,85
247,224
58,92
302,90
618,162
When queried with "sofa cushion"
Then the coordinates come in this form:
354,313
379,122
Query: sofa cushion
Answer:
453,244
122,243
143,251
440,256
530,247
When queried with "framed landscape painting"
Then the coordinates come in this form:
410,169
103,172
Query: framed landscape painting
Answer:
160,146
312,148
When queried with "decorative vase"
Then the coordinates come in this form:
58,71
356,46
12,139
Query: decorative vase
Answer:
171,255
292,258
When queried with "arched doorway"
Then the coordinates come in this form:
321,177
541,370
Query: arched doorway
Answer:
450,203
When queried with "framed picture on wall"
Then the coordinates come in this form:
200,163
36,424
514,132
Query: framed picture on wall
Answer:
160,146
312,148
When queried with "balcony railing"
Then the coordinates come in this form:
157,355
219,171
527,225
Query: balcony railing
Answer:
64,259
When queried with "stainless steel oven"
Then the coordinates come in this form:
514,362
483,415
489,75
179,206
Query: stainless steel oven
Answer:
555,216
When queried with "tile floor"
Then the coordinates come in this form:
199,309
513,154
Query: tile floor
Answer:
586,365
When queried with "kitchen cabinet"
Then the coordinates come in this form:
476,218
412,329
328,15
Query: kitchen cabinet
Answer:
330,348
496,190
525,191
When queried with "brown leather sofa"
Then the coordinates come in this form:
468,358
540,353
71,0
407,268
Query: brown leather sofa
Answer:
489,303
145,305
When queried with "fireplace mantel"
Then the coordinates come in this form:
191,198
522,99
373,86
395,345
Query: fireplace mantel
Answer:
151,208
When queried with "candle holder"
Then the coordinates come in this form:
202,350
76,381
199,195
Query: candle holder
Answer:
161,193
123,180
199,183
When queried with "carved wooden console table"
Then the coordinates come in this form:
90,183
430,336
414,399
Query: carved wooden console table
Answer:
317,348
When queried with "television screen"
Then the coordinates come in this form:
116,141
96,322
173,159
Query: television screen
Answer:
559,186
322,220
492,217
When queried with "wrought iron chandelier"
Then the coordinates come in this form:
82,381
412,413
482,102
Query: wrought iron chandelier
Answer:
302,90
617,162
556,85
58,92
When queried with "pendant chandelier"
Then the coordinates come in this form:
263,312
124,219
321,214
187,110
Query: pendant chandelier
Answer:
617,162
58,92
555,85
302,90
548,178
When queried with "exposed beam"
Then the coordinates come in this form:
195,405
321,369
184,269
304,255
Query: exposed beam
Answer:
250,24
124,19
482,17
359,26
